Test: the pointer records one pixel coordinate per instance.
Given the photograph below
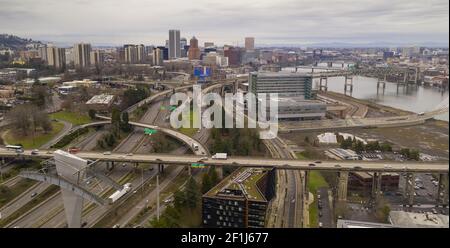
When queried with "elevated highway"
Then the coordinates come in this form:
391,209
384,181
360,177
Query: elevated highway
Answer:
350,123
288,164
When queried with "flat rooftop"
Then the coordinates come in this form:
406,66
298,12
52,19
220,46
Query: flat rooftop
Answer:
418,220
101,99
361,224
281,74
244,180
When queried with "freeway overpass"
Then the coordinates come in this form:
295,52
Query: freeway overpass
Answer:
350,123
289,164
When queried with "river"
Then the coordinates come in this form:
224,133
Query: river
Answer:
415,99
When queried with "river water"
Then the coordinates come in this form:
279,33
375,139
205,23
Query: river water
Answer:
415,99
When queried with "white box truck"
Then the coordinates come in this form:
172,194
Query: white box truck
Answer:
220,156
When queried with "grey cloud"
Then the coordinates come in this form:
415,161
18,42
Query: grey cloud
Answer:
116,21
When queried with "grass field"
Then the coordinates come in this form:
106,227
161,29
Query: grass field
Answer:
30,141
72,117
188,131
316,181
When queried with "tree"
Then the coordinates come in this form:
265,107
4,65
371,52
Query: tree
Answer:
192,193
115,117
206,183
125,125
405,152
414,154
92,113
179,199
385,147
214,178
20,117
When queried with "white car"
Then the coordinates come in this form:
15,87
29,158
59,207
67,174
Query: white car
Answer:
107,153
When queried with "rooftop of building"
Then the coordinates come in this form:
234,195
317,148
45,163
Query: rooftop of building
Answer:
296,101
101,99
280,74
341,223
418,220
244,180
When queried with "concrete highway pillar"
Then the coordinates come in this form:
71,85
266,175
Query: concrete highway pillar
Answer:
442,194
342,186
376,185
71,168
160,168
409,189
189,170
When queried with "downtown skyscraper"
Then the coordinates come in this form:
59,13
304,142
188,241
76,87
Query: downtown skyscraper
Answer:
174,44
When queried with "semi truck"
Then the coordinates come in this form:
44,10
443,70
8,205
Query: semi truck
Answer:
195,146
220,156
119,193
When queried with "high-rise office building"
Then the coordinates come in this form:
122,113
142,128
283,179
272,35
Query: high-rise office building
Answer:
42,52
233,54
56,57
174,44
165,52
134,54
158,56
183,44
286,84
208,44
82,54
131,54
249,43
97,58
240,200
194,51
141,53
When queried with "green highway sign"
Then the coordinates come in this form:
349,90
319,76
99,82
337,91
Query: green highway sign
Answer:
198,165
150,131
172,108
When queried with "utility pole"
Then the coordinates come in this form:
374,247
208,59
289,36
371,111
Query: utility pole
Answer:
142,181
157,196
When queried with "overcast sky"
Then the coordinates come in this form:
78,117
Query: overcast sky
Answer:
298,22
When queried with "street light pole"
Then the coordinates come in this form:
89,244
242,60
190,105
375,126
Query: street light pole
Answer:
157,197
142,181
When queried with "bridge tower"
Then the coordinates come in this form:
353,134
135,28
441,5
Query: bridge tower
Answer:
348,85
323,83
408,193
381,83
442,194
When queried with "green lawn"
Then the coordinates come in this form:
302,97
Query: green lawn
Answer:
301,156
316,181
188,131
72,117
30,142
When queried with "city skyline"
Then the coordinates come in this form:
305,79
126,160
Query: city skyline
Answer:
284,22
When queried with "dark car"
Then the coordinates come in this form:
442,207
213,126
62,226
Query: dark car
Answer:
311,165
